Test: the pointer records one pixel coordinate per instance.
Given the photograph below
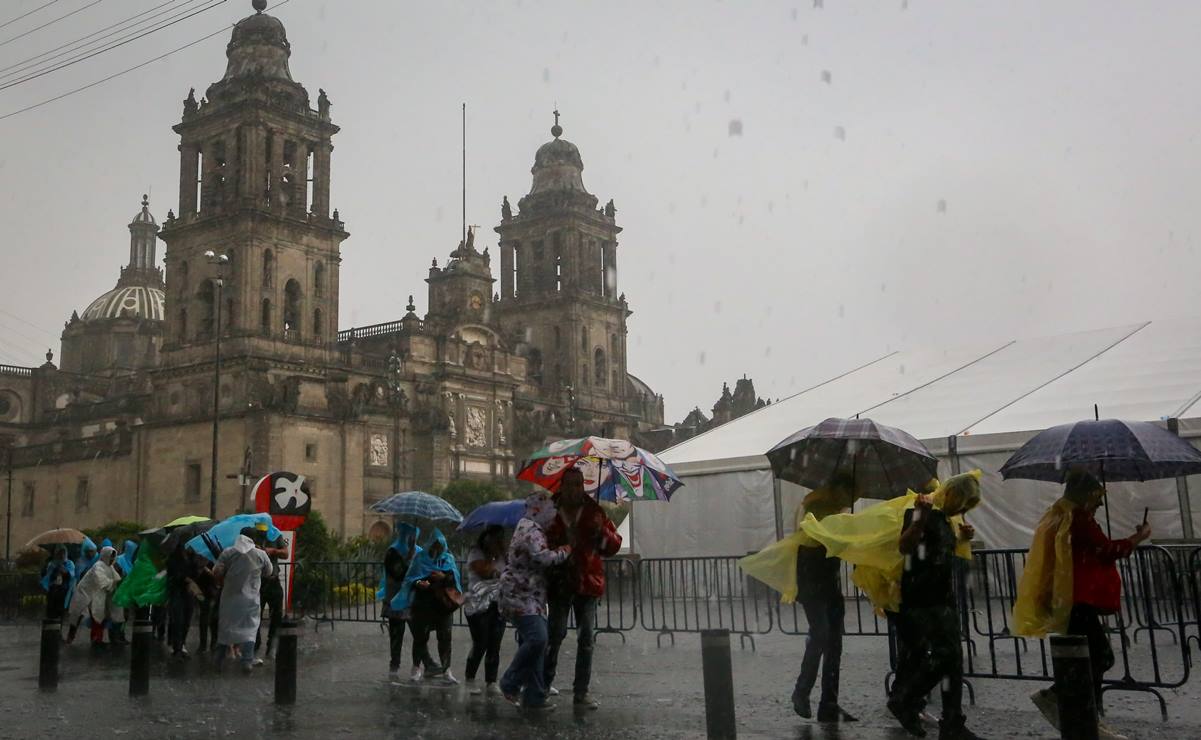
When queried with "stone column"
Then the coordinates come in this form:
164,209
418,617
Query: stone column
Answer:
506,270
189,155
321,156
610,260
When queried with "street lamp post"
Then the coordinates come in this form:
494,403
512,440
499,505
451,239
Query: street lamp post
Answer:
396,397
219,261
8,518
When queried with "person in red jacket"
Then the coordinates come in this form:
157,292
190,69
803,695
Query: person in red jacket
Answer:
1096,585
579,583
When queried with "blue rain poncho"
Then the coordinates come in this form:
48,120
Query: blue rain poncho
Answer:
422,567
406,537
52,565
127,557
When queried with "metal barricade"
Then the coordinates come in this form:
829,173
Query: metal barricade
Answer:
861,619
21,596
1192,578
694,594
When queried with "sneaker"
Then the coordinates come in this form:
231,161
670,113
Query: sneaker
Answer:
907,717
493,689
1105,732
1048,704
417,674
476,690
449,677
514,699
257,662
585,701
183,651
247,668
552,691
393,669
800,705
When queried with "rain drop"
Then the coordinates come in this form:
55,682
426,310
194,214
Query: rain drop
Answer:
942,206
840,133
827,76
701,358
735,127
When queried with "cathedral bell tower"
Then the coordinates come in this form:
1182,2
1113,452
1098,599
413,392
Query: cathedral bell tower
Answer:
254,183
558,282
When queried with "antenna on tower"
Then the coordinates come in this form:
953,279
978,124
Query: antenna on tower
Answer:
463,235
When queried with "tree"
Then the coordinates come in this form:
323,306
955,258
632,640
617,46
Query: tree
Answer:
117,532
314,541
466,495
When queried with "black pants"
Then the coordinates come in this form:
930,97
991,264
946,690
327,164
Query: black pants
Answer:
584,610
1086,620
396,641
487,631
56,602
272,597
179,604
206,621
825,614
932,654
421,624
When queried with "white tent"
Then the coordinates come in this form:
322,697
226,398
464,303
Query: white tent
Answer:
972,406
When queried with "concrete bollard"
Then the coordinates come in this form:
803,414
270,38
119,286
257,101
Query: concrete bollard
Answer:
52,638
719,685
139,661
1074,687
285,662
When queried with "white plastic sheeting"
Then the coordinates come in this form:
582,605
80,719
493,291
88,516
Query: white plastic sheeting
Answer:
991,398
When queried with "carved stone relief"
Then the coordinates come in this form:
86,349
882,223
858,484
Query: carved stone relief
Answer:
378,452
477,426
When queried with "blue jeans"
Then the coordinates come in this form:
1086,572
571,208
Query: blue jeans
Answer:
525,671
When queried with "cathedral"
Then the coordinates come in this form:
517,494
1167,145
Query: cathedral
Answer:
235,347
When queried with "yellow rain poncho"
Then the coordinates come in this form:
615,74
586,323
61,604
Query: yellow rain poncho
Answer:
1044,597
775,564
869,540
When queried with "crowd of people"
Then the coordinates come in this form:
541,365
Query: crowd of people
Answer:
225,598
552,569
903,552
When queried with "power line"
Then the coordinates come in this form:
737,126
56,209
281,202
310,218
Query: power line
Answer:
33,60
50,23
125,71
6,24
127,39
31,325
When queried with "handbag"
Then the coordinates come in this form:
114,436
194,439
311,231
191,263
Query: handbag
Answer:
449,598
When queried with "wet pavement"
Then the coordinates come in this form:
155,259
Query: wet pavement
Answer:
344,690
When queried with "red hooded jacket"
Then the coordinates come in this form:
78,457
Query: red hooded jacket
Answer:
1095,578
595,539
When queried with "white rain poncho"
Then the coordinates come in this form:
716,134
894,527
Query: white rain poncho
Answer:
92,595
245,566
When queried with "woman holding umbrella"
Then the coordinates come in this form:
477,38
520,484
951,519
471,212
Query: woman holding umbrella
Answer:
432,590
1071,580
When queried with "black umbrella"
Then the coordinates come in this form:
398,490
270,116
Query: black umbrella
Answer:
1110,449
180,535
882,461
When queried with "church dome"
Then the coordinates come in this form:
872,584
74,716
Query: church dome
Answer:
557,165
127,301
144,216
258,48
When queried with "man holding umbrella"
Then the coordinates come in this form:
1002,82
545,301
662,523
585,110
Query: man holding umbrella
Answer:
580,583
1071,580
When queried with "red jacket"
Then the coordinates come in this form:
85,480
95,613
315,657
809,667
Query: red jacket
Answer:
595,539
1095,579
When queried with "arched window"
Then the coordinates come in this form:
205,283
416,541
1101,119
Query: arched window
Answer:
292,301
600,368
317,323
584,339
265,317
319,279
208,306
268,269
613,345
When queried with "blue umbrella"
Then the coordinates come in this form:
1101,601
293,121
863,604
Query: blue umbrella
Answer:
418,504
211,543
1110,449
502,513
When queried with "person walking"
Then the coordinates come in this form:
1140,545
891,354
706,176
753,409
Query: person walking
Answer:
240,569
523,602
92,598
432,591
396,565
181,601
485,562
272,594
1071,581
928,620
58,580
582,524
207,602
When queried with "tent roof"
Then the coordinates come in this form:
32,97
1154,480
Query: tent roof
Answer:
1145,372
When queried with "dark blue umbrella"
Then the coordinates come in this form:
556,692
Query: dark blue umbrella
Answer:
418,504
1110,449
503,513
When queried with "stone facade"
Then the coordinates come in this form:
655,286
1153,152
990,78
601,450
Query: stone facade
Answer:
124,429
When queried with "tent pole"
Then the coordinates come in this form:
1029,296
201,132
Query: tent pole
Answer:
779,506
1186,506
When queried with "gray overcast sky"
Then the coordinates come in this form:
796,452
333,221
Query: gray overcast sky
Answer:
1060,137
